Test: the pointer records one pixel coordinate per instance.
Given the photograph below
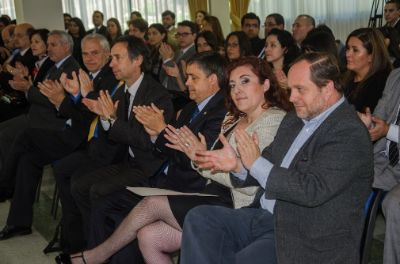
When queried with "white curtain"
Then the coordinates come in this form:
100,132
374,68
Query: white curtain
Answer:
7,8
150,9
342,16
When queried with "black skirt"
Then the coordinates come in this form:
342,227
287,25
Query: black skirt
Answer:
181,204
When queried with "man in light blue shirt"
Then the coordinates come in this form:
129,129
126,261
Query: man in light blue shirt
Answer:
314,179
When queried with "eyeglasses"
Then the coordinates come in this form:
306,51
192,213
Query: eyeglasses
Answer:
184,34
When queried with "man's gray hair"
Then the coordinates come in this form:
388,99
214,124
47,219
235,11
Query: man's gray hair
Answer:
65,38
100,38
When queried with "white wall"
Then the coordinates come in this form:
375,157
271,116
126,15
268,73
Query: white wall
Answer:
40,13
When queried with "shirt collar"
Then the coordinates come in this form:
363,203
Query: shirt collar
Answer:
187,48
22,52
135,86
58,64
94,74
203,104
321,117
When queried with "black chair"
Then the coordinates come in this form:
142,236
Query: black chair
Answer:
371,210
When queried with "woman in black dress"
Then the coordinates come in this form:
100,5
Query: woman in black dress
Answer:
368,66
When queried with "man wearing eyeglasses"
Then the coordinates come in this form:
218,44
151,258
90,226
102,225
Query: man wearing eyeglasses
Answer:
185,35
251,27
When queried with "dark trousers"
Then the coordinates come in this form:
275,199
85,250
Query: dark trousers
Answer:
90,187
107,213
9,132
71,167
33,149
214,234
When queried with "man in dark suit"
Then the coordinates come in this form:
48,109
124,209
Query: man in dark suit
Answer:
97,19
129,61
41,114
37,147
99,151
315,178
392,14
251,27
384,129
13,102
203,115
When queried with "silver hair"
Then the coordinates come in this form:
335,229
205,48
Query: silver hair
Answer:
100,38
64,37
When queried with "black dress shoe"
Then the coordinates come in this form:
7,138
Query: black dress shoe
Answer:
66,259
10,231
5,195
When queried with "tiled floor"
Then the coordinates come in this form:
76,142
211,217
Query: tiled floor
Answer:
28,249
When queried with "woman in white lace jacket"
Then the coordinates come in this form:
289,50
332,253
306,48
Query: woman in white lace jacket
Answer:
265,126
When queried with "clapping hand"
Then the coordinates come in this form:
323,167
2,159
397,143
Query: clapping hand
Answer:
85,82
70,85
172,71
151,117
53,90
22,85
224,159
247,147
366,118
379,130
166,51
184,140
108,107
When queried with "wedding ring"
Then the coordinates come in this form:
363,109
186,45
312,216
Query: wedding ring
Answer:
187,144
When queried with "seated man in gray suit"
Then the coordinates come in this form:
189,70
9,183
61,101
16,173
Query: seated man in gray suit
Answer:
174,63
384,128
315,178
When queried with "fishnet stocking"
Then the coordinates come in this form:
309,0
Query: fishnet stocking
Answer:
157,240
151,209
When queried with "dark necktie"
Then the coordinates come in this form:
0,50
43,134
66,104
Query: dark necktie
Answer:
393,149
127,103
91,76
194,114
51,74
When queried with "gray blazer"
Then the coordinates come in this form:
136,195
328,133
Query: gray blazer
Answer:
320,198
386,177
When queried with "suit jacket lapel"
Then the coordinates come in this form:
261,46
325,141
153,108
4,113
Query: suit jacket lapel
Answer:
205,111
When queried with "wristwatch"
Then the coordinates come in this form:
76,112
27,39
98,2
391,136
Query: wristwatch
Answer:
110,119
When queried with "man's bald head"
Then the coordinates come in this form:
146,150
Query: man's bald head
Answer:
21,36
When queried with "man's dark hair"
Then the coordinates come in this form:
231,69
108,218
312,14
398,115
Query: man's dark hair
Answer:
250,16
396,2
99,12
324,68
67,15
211,62
168,13
136,13
193,26
278,18
4,21
136,47
140,24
